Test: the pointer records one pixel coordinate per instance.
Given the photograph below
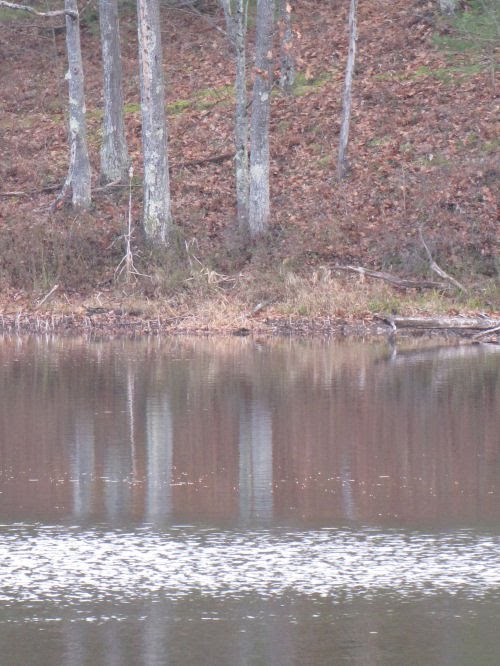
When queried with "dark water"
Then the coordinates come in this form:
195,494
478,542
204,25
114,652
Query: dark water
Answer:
234,502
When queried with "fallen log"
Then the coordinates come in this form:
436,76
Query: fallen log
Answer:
443,323
490,331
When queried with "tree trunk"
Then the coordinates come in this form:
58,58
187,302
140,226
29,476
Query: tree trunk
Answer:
241,116
287,66
237,27
157,216
346,102
258,204
114,158
79,175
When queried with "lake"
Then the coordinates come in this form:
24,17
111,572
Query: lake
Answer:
248,502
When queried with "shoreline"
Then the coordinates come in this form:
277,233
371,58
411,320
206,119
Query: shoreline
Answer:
112,323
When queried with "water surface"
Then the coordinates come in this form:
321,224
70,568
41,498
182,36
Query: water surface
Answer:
247,502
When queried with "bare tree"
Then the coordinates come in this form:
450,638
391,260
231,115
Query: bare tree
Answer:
259,201
114,157
236,21
347,98
157,214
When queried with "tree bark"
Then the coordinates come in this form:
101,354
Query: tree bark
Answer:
241,116
236,22
114,157
259,203
342,165
79,174
287,65
157,214
447,6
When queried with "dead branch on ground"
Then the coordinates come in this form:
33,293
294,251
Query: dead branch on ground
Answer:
489,331
394,280
47,296
437,269
214,159
30,10
484,324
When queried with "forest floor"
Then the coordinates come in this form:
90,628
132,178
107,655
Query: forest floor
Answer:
423,157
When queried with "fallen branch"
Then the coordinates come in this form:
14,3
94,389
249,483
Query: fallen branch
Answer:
261,306
489,331
30,10
47,296
27,193
443,323
116,184
215,159
400,283
13,194
437,269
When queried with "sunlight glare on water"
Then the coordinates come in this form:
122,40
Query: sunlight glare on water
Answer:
70,566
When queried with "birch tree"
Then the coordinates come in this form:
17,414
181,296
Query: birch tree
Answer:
347,97
157,215
236,22
114,157
259,201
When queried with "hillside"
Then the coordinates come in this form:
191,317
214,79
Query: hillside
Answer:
423,154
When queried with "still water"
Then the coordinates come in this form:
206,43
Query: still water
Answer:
240,502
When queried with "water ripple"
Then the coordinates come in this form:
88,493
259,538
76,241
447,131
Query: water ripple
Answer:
74,566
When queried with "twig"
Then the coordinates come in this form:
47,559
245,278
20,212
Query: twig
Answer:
437,269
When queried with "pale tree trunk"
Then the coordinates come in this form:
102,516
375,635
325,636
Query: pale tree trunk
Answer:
342,165
79,174
236,21
447,6
287,65
241,116
114,157
258,203
157,215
